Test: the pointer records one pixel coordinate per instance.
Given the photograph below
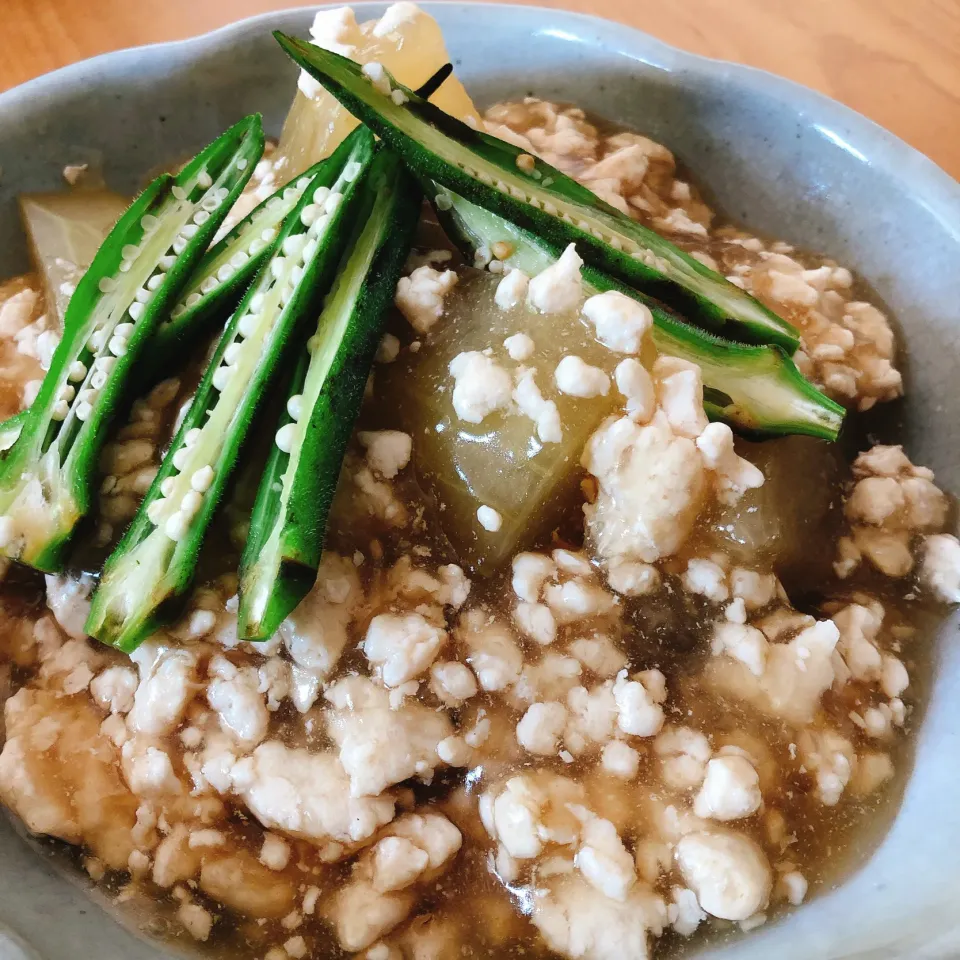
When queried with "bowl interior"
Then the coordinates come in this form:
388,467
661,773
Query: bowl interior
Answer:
781,159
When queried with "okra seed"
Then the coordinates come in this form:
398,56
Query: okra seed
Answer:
117,346
130,252
231,354
221,377
248,324
256,302
535,203
275,204
60,410
124,330
285,437
222,192
191,503
201,217
149,222
180,458
107,285
257,246
243,163
294,244
87,396
295,406
192,300
351,170
154,510
269,235
155,282
209,284
168,486
176,527
204,180
98,338
398,97
502,250
189,230
191,437
320,195
296,275
517,193
486,178
166,262
179,245
526,163
309,249
332,202
290,193
319,225
309,214
136,310
178,311
142,295
443,201
179,192
202,479
496,266
209,202
67,392
278,266
548,207
239,259
83,411
99,380
225,272
77,371
125,266
303,183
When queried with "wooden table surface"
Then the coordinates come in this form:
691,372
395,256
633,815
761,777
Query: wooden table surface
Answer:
897,61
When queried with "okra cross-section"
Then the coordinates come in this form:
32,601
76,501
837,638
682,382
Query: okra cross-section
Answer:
526,190
225,271
47,475
154,563
279,565
756,389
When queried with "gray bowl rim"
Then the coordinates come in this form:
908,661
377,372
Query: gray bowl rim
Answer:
929,183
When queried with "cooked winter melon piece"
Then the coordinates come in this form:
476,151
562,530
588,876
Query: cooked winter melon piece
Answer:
499,462
65,230
405,40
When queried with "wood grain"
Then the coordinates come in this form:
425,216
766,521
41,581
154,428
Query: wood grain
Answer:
897,61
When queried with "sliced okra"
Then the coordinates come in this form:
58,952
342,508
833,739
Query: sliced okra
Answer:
225,272
283,550
529,192
758,390
47,475
151,569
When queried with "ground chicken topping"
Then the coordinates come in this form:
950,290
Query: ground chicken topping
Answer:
579,668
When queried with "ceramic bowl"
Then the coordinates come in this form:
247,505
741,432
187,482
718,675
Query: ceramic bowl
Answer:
784,160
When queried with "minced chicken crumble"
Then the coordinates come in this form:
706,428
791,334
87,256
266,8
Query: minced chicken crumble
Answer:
612,740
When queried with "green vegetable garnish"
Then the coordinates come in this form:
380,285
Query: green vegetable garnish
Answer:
283,550
47,476
523,189
756,389
153,566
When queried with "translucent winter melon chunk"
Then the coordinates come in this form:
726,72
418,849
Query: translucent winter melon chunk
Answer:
65,230
500,462
406,40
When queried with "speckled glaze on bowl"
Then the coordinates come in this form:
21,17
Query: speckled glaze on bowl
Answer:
773,155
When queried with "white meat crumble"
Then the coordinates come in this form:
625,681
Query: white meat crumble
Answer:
625,731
